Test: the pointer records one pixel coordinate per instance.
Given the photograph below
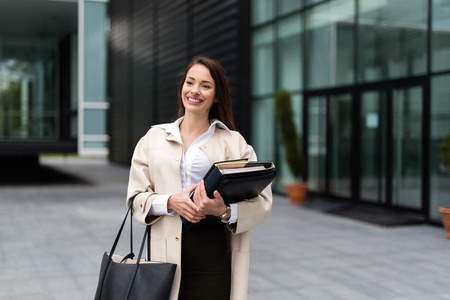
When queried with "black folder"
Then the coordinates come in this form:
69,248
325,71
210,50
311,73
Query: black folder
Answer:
239,180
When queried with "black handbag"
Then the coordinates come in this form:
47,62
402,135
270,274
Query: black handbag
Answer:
122,277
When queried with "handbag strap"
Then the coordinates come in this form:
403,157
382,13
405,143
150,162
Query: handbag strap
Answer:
119,233
146,234
131,234
116,241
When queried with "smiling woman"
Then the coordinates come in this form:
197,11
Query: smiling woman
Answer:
169,163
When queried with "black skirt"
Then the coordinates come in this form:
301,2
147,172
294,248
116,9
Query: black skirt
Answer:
205,262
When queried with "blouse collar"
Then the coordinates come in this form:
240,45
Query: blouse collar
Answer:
174,127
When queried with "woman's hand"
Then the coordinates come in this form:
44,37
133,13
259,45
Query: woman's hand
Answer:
215,206
182,204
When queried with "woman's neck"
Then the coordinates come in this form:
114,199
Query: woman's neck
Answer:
191,128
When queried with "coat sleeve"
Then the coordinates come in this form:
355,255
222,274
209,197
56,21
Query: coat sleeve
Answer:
252,212
140,186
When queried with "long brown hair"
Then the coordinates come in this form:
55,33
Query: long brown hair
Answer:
222,108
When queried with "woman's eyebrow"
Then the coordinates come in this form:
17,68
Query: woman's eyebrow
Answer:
192,78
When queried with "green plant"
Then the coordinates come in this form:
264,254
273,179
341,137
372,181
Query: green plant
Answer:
290,139
444,152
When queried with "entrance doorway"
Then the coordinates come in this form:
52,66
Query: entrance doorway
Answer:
329,140
368,145
391,139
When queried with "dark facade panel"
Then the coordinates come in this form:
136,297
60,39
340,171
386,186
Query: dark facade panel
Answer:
161,38
172,55
118,81
141,76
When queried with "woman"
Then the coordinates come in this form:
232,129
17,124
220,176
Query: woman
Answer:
208,240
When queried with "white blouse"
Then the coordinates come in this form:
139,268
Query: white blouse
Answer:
193,166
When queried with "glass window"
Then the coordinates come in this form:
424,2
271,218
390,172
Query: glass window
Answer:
95,145
27,89
286,6
94,93
95,121
440,134
341,138
262,11
317,146
441,35
285,175
95,52
290,53
263,136
330,40
392,38
309,2
263,72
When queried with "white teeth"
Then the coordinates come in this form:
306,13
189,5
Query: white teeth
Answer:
194,100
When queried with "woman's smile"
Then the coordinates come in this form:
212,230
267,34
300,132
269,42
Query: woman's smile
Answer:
194,100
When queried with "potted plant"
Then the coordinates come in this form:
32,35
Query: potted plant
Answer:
291,141
444,154
444,161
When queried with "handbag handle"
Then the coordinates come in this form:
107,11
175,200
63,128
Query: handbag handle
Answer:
138,261
116,241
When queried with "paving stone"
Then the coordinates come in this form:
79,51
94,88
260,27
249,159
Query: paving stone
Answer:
52,238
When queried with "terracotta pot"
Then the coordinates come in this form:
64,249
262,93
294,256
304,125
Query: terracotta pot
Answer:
297,192
445,214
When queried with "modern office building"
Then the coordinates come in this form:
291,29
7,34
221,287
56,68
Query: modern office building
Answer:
369,79
52,78
370,82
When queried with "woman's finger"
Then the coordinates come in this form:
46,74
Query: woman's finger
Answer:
217,195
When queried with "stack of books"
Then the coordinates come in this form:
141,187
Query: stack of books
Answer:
239,180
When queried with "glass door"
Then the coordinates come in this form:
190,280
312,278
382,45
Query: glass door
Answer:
391,146
317,143
407,147
340,139
373,147
329,144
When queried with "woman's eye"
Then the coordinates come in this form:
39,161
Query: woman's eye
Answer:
206,87
188,82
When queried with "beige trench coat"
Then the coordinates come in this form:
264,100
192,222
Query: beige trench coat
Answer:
155,170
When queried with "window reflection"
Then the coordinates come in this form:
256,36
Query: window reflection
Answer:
440,130
290,53
263,79
392,38
407,147
341,137
317,149
27,91
329,44
373,146
441,35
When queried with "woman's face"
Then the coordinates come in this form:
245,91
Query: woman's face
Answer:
198,92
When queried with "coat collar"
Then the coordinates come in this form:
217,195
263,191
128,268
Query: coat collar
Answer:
173,129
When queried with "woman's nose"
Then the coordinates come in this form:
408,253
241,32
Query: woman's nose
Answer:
195,89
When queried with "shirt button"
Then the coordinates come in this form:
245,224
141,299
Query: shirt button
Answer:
177,158
177,239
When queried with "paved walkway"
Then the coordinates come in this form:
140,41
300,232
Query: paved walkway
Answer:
53,235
